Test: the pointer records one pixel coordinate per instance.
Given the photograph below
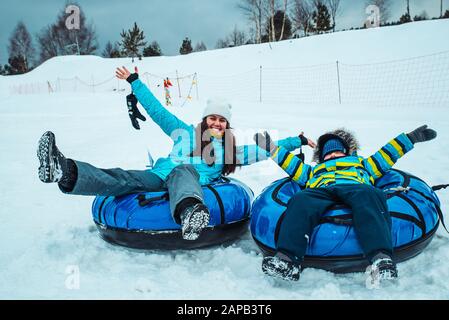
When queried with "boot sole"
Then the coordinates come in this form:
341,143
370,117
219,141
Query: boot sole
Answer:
43,154
195,224
269,268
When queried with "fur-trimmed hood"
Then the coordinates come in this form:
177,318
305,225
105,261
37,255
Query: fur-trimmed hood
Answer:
346,136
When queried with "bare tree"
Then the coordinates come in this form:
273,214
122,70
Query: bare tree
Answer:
384,8
236,38
334,7
111,50
222,43
283,20
272,12
262,14
200,46
253,9
302,15
21,45
56,39
268,11
270,8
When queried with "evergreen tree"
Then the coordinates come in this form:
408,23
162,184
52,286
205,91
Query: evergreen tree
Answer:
132,41
278,22
21,45
2,70
321,18
446,14
186,47
16,65
152,50
405,18
111,50
56,39
421,17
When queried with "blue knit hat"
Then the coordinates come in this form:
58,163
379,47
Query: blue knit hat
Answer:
331,146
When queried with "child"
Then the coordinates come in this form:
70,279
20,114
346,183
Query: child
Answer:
341,176
200,155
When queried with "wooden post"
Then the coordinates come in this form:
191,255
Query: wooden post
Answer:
50,89
196,86
179,87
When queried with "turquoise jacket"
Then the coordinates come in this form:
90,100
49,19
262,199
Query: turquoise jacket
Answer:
183,136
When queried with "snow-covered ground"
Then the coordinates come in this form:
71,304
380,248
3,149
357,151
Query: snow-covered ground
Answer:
47,236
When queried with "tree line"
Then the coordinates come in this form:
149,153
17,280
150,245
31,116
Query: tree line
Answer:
270,20
275,20
56,40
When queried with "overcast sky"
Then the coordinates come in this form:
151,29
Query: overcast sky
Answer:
169,21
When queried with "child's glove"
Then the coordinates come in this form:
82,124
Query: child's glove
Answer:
263,140
134,113
306,141
422,134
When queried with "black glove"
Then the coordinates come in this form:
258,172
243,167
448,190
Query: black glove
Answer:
132,77
134,113
304,140
422,134
263,140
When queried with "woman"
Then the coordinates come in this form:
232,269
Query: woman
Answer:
200,155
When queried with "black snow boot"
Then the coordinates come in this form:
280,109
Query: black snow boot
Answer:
281,266
53,164
194,218
383,268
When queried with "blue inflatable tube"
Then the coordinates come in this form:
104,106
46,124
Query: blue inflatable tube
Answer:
144,221
413,205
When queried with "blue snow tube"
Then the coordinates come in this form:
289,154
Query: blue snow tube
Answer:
143,220
413,205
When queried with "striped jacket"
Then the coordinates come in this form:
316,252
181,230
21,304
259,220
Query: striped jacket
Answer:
352,169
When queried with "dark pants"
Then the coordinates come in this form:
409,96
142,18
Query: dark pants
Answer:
371,219
181,183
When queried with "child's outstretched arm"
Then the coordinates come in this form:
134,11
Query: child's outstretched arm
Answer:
295,168
380,162
250,154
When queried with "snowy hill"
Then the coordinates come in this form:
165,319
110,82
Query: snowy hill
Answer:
45,235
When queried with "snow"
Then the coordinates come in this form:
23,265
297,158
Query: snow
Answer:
47,237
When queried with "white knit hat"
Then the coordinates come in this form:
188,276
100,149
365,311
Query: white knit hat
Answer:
219,107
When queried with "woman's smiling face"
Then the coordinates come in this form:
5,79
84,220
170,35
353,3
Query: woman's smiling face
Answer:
217,124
